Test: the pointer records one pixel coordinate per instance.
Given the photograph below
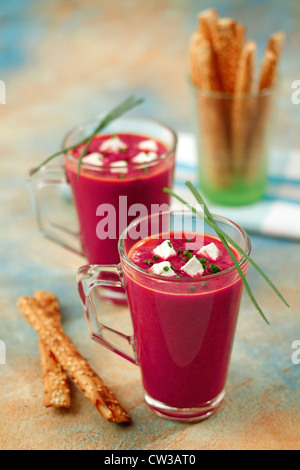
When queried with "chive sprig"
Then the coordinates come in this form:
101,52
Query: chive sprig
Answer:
226,239
117,112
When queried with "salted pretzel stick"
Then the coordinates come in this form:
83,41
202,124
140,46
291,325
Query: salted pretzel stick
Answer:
72,362
56,388
243,106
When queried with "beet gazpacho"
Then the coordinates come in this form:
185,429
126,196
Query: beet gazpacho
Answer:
130,164
184,311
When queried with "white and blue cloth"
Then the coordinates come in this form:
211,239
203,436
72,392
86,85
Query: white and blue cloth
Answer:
276,214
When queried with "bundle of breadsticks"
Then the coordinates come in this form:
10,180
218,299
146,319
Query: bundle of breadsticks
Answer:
233,126
60,359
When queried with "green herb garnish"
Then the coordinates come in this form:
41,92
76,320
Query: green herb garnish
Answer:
156,257
166,268
121,109
215,269
192,289
170,244
184,259
225,239
179,252
203,262
149,262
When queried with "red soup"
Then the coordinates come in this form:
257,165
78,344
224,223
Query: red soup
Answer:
132,167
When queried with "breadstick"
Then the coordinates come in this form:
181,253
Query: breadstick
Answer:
269,71
208,24
72,362
195,71
204,56
243,106
228,44
256,162
211,119
56,388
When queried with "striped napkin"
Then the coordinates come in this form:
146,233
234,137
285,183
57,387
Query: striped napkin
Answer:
276,214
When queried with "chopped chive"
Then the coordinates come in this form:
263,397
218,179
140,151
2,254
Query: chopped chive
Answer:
184,259
121,176
170,244
179,252
156,257
215,269
192,288
166,268
172,266
188,239
202,262
149,262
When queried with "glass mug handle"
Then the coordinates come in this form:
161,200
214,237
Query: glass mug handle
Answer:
37,181
88,279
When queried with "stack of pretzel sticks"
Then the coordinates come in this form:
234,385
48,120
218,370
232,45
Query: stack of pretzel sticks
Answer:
233,124
59,358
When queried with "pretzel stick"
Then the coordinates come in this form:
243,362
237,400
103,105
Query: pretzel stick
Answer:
210,118
243,106
56,388
72,362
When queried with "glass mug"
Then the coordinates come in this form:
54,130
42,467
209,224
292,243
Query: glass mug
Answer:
93,189
182,336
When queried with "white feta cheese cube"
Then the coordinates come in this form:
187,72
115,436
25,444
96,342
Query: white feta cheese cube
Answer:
211,251
148,145
165,250
119,167
193,267
144,157
164,269
113,144
93,159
